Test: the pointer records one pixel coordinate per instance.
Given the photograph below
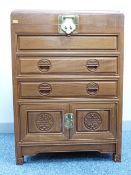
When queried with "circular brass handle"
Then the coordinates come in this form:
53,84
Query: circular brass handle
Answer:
92,88
44,65
44,89
92,65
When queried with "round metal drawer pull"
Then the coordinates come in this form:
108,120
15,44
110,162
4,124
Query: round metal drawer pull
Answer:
92,88
92,65
44,65
44,89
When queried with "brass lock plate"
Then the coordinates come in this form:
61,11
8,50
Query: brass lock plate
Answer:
68,24
69,120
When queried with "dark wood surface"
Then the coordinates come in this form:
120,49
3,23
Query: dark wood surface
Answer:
54,74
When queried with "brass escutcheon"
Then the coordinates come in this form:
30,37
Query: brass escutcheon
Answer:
69,120
68,24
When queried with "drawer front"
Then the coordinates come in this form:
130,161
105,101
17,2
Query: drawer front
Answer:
93,121
68,89
43,65
64,42
43,122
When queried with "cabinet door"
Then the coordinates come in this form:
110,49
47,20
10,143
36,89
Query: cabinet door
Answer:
43,122
93,121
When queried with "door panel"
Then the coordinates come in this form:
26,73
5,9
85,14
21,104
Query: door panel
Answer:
93,121
100,119
43,122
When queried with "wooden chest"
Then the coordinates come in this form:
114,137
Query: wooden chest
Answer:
67,80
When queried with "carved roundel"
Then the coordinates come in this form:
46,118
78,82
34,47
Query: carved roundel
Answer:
92,121
44,65
44,122
92,88
92,65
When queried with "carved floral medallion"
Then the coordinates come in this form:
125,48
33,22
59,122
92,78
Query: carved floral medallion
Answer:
92,121
44,122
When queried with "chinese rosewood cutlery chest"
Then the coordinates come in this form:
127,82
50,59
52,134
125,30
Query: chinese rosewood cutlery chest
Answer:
67,82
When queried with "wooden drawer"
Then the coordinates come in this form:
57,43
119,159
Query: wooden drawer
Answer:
42,65
97,42
68,89
93,121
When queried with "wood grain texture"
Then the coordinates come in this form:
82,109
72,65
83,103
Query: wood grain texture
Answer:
30,114
98,129
71,89
54,75
103,148
63,42
90,65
